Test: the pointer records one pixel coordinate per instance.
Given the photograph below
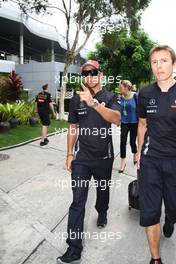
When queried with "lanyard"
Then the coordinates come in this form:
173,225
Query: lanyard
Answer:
124,108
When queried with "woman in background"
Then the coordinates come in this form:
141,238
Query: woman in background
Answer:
129,122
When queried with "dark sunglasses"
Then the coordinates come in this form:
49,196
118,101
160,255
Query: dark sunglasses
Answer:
93,72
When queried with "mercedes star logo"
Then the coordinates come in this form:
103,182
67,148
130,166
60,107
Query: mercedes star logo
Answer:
152,102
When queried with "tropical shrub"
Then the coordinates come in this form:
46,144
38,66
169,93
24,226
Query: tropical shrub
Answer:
11,88
5,89
26,112
16,86
22,111
8,111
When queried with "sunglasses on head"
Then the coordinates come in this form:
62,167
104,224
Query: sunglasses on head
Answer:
93,72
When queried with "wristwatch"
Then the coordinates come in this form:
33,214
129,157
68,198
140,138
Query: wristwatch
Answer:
95,104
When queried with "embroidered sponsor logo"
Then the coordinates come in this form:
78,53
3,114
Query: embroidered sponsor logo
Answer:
173,105
151,111
152,101
82,113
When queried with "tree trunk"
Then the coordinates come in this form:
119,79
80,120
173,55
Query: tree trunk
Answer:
68,62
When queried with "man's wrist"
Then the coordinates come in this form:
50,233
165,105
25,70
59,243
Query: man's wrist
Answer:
95,104
139,148
70,154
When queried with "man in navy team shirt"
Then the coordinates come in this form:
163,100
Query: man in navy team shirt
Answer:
157,149
43,104
89,152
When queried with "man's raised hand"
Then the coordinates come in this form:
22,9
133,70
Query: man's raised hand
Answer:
86,96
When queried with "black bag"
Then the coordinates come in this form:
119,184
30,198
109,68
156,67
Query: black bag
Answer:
133,194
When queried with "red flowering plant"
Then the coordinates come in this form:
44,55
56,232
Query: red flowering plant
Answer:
16,86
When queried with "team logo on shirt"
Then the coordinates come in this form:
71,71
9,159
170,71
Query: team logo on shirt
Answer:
173,105
152,101
81,105
152,107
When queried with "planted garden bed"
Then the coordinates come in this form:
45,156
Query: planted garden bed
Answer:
26,132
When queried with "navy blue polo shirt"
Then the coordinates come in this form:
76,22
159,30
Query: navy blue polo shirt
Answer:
94,133
43,100
159,109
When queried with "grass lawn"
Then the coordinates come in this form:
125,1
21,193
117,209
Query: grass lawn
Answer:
25,132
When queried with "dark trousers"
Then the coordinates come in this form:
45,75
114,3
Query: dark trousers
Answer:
132,129
157,183
81,176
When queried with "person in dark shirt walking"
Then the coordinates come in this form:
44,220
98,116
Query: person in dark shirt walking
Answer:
157,149
43,106
91,113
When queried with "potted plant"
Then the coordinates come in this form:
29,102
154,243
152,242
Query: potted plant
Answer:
14,122
33,120
8,113
14,109
4,126
27,114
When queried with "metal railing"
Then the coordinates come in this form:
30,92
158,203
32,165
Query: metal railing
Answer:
68,95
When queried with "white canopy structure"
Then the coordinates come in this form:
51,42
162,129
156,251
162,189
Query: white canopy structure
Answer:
11,11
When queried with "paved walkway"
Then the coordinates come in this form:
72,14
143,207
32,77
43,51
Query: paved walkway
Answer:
34,201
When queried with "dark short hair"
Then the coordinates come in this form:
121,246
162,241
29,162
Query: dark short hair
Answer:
163,47
45,87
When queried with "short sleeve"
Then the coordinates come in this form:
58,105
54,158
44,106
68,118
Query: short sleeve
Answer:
113,103
73,116
49,98
141,107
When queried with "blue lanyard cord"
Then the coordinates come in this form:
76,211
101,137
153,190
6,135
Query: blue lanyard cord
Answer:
124,108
